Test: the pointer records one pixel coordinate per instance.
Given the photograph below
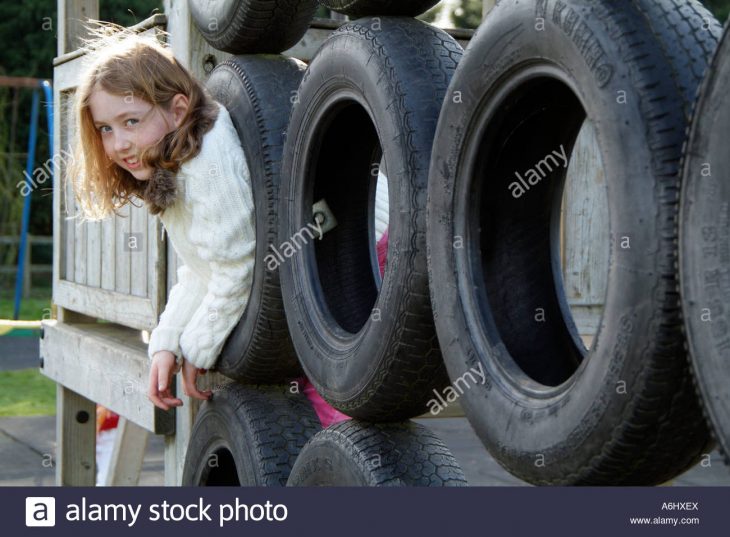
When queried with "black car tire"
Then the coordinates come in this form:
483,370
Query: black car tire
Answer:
258,92
367,344
248,436
353,453
252,26
549,410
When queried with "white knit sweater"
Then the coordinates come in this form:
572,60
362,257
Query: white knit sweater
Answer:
212,229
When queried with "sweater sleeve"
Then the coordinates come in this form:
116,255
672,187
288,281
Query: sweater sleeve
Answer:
223,232
185,296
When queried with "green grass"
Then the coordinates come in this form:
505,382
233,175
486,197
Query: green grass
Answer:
31,309
26,392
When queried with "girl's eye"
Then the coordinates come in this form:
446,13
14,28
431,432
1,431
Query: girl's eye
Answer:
131,122
103,129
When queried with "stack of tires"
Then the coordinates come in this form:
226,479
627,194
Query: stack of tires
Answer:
471,294
252,431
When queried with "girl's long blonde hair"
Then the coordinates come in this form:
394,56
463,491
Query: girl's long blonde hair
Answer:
128,64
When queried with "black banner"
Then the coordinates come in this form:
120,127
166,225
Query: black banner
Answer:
351,512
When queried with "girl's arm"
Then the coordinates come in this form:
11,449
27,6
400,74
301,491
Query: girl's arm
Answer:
223,231
185,297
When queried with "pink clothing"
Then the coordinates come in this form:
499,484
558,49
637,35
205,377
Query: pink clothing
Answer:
327,414
382,250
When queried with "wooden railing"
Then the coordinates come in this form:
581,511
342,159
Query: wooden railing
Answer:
28,267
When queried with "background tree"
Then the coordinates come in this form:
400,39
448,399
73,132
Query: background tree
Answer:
721,8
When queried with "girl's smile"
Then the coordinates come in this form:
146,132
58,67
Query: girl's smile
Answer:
132,163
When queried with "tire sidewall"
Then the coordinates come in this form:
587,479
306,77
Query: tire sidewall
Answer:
703,230
253,122
204,13
251,143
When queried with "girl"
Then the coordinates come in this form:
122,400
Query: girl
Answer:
147,128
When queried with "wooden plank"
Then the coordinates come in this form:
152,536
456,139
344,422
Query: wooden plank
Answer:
308,46
587,318
93,254
69,228
179,26
76,439
138,250
64,206
62,240
200,53
157,266
36,239
487,6
130,443
176,445
19,82
69,316
123,260
42,239
158,19
108,251
80,252
72,14
106,363
65,77
173,262
586,242
29,268
123,308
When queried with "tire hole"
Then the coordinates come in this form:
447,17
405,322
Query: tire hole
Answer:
220,470
530,265
344,175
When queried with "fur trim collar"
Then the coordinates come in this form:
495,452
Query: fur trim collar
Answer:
161,190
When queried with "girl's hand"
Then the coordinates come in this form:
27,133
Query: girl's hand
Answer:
190,376
161,374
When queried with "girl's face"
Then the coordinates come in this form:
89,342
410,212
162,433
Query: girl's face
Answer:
128,125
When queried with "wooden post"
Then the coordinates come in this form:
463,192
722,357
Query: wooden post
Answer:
76,439
176,446
75,414
130,443
72,14
487,6
180,30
